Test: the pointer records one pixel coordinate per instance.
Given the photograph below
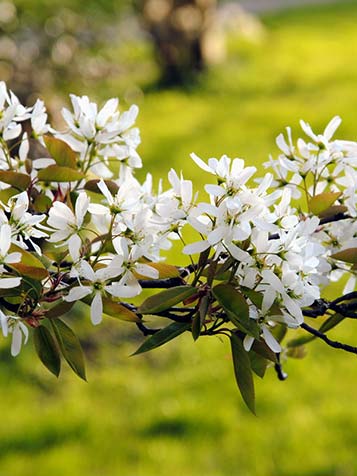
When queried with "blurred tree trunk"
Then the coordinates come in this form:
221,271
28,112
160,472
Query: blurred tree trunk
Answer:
180,29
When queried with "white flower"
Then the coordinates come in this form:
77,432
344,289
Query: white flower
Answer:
98,136
66,223
24,225
7,258
95,287
14,326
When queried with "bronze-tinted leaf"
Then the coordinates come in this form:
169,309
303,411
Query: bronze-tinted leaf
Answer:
321,202
349,255
56,173
15,179
117,310
92,186
61,152
29,265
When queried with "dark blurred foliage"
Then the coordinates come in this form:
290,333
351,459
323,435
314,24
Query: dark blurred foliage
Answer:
180,30
65,45
45,45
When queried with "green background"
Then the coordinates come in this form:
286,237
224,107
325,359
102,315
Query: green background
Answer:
177,411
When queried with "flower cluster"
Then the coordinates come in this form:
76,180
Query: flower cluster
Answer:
76,225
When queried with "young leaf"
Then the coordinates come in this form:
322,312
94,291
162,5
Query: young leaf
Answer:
164,335
166,299
70,347
298,341
16,179
319,203
243,372
166,271
92,186
349,255
331,322
46,349
332,211
60,152
29,265
117,310
55,173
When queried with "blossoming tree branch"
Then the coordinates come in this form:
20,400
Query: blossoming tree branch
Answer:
75,225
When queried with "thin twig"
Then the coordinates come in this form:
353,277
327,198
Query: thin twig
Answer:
331,343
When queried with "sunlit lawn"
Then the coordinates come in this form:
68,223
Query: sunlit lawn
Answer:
177,411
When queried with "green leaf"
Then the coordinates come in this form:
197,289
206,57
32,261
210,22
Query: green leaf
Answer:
163,336
243,372
61,152
321,202
56,173
59,309
166,299
46,349
236,307
261,348
42,203
16,179
349,255
258,363
92,186
231,300
7,193
117,310
331,322
254,296
70,347
296,352
298,341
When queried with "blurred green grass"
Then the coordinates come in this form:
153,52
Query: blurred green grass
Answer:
177,411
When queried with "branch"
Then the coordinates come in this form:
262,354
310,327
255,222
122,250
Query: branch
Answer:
161,283
320,306
331,343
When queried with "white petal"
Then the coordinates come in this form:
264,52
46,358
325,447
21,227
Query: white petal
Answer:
77,293
8,283
86,271
332,127
105,191
200,163
16,341
146,270
197,247
248,342
96,309
74,245
270,340
5,239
